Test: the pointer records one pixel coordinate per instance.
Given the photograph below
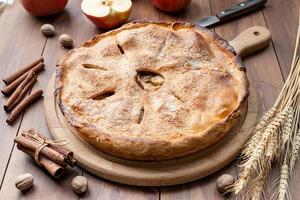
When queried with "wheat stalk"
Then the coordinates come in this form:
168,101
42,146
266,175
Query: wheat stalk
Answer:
257,191
277,133
297,41
292,150
292,91
265,145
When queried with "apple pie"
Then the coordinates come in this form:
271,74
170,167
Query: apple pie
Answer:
152,90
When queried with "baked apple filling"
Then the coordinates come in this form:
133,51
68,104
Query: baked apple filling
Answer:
149,81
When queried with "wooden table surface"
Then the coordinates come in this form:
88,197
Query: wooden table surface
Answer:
21,42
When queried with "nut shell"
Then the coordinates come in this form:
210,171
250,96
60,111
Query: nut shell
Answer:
48,30
79,184
66,40
224,181
24,182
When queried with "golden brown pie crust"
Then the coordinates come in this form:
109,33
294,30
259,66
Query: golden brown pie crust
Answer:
152,90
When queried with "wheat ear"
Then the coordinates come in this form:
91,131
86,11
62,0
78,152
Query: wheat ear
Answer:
278,131
283,191
254,162
272,148
295,151
296,141
287,128
256,132
257,191
291,150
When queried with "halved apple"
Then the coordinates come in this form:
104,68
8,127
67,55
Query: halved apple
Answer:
107,14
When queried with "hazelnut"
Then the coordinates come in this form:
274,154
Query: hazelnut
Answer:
65,40
224,181
79,184
48,30
24,182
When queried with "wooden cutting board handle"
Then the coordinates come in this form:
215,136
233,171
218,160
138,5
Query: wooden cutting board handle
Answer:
251,40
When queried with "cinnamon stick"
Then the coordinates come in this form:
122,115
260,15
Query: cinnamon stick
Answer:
68,154
21,90
26,102
54,169
46,151
72,161
9,79
12,86
22,94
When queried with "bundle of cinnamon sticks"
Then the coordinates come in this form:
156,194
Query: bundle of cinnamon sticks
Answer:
17,87
51,155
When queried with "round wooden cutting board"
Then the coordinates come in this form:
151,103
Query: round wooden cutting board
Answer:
156,173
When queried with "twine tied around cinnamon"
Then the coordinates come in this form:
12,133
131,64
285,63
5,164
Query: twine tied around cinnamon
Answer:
42,143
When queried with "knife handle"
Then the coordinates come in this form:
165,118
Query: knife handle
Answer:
251,40
240,9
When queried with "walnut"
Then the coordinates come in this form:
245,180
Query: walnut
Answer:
224,181
48,30
66,41
79,184
24,182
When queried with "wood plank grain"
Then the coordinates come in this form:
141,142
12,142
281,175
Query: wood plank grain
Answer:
265,71
106,190
72,23
282,20
45,186
19,45
262,67
205,188
284,29
262,81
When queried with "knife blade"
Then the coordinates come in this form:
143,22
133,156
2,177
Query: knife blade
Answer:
234,11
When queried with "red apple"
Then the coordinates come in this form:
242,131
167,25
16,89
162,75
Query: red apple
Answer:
44,7
107,14
170,5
